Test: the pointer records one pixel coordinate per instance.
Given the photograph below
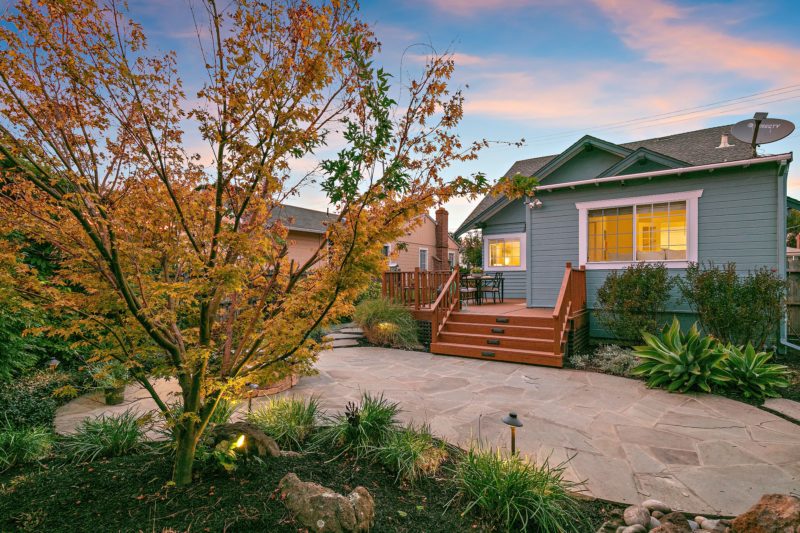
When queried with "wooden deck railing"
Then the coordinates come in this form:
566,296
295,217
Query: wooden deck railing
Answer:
418,289
571,299
448,300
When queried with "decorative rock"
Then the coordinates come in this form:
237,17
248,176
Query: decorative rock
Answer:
609,526
669,528
708,525
700,520
677,520
774,513
636,528
694,525
657,514
655,505
654,522
324,511
636,515
256,442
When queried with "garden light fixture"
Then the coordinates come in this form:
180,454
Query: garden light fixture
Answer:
53,363
253,388
514,422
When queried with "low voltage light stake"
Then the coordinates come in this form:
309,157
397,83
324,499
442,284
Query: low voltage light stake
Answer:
253,388
514,422
52,364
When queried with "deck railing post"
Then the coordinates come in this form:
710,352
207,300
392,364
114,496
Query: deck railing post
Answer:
416,288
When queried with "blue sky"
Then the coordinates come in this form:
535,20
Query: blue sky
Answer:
551,71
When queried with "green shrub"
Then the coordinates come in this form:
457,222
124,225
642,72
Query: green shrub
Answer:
31,401
735,309
411,453
372,292
681,362
23,445
514,494
633,300
290,421
386,323
609,358
361,428
752,374
106,436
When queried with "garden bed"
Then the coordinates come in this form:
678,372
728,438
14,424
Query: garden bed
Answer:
132,493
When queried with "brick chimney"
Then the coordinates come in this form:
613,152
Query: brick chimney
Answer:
442,239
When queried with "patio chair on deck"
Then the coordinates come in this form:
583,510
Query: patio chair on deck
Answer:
468,293
495,288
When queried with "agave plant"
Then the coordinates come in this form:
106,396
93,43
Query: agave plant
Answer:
681,362
752,374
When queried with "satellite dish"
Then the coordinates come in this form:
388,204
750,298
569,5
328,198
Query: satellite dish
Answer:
769,130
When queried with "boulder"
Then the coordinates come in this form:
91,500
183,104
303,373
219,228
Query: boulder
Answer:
256,442
635,528
636,515
774,513
655,505
324,511
680,523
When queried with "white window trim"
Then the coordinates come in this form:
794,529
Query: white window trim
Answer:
454,261
522,257
392,262
427,258
691,199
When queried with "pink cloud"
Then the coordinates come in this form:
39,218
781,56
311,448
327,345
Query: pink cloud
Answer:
675,37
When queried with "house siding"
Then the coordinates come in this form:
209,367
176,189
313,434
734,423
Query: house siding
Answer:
583,166
737,221
420,235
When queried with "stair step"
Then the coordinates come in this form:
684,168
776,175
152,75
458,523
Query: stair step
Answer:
531,332
493,353
501,320
496,341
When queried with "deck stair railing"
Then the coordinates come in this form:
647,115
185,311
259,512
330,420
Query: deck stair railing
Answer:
419,289
571,300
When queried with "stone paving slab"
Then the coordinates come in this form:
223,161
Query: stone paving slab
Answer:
784,406
698,453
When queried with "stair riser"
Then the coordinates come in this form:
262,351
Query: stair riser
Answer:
508,331
501,320
499,355
513,343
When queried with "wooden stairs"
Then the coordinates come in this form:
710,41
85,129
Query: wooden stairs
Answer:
516,339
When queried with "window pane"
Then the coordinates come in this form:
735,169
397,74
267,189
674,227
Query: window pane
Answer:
661,231
495,252
611,234
511,256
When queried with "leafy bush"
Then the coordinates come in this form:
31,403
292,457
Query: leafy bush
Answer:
372,292
23,445
361,428
735,309
515,494
386,323
609,359
106,436
31,401
681,362
290,421
110,374
411,453
752,374
633,300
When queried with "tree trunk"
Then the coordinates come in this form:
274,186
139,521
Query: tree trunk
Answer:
185,447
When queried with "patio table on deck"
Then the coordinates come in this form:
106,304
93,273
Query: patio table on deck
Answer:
477,282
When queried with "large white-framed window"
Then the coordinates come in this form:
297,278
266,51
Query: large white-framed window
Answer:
655,228
504,252
423,259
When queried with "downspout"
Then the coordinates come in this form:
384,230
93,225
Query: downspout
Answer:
528,252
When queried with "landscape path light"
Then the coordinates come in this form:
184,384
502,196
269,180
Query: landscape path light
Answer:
53,363
253,388
512,421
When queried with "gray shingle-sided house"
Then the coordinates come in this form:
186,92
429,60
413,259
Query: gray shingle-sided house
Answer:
692,197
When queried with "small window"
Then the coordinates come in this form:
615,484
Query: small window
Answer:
423,259
451,258
386,250
505,253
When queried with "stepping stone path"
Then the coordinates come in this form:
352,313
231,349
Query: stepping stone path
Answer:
784,406
345,337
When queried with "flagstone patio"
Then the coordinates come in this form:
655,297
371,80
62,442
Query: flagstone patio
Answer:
698,453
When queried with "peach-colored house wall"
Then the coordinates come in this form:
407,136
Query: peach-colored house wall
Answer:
420,236
302,245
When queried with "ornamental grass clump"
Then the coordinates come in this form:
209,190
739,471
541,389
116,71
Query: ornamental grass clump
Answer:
290,421
751,373
361,427
514,494
386,323
681,362
411,453
23,445
106,436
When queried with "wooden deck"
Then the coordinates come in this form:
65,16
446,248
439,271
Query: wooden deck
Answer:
507,331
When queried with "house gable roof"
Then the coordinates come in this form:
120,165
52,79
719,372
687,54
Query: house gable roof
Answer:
302,219
642,155
692,148
587,141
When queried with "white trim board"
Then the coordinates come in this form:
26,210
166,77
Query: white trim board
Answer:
691,199
522,236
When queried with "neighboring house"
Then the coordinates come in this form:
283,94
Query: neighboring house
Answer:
307,229
422,246
427,245
695,196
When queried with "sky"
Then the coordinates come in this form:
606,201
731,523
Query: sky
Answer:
552,71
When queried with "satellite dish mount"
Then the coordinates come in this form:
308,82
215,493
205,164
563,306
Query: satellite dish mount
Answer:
758,118
761,130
